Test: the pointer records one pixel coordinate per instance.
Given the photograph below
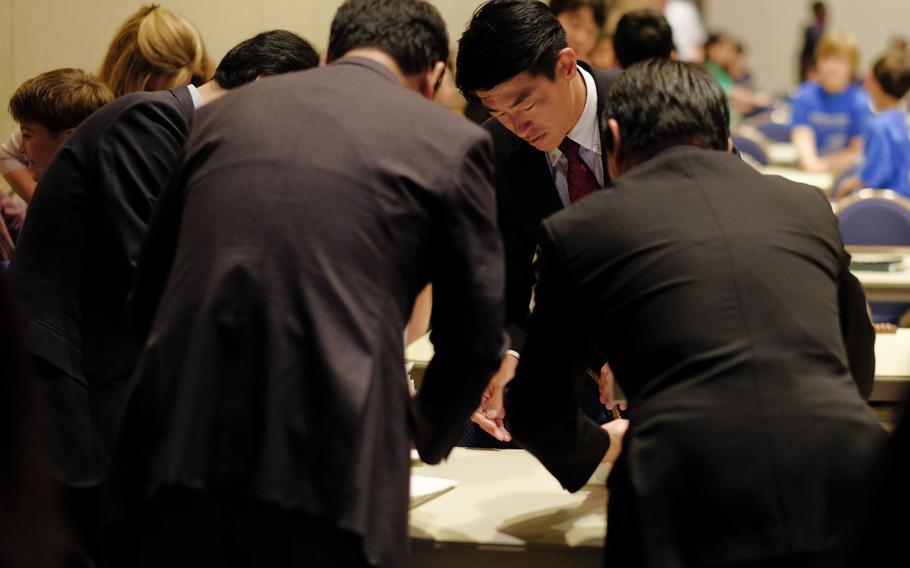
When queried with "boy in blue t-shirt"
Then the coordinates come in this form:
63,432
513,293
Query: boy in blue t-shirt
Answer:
886,140
829,114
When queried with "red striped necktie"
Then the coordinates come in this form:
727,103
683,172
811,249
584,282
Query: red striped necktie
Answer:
579,177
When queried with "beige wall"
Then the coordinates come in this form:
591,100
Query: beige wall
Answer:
772,30
38,35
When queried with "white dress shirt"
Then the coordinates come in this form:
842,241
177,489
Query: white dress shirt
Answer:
586,133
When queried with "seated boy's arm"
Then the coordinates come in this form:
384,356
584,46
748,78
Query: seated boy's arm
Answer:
839,161
803,138
21,181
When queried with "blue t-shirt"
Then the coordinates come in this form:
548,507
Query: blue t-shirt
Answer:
835,119
886,152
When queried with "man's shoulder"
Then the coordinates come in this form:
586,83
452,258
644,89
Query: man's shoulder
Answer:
603,78
131,111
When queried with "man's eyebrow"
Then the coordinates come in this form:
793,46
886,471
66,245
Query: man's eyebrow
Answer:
518,100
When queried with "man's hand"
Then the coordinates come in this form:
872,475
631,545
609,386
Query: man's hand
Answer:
616,429
492,426
605,386
492,412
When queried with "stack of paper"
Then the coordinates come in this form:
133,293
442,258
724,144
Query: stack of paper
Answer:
425,488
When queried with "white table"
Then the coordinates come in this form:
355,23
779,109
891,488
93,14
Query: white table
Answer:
892,361
885,286
821,180
782,153
892,366
506,508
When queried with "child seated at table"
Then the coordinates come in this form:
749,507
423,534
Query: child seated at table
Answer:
886,138
829,114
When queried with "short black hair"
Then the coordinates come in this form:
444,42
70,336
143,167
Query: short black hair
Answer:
504,39
660,103
598,8
892,72
412,32
640,35
269,53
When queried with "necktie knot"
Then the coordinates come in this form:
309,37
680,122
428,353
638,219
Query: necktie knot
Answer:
569,147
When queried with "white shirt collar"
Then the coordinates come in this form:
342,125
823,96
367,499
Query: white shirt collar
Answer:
197,98
587,130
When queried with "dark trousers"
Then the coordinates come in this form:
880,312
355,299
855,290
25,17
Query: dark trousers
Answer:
185,527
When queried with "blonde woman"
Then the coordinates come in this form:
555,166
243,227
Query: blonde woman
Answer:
153,49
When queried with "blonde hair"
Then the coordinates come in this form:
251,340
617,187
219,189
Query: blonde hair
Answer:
838,43
154,41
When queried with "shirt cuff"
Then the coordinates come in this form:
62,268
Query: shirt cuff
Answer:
513,353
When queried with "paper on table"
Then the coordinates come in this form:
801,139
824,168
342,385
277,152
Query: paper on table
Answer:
892,356
424,488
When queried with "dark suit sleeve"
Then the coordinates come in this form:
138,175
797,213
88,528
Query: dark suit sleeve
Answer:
544,415
467,306
519,244
136,158
157,257
856,328
519,257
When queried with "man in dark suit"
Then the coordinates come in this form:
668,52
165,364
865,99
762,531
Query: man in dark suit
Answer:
723,300
76,257
271,394
545,107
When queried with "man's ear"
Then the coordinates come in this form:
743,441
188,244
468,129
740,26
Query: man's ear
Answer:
614,161
431,80
566,63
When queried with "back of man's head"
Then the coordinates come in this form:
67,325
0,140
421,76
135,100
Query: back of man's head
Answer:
892,73
59,100
504,39
661,103
412,32
641,35
269,53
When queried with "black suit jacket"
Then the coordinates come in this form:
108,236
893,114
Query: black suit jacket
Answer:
75,262
526,195
301,233
723,301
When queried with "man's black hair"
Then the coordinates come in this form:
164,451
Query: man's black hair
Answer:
504,39
660,103
269,53
598,8
412,32
640,35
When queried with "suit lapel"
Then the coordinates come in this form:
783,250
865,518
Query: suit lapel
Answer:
535,182
602,82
